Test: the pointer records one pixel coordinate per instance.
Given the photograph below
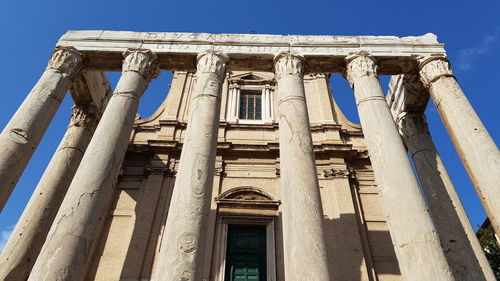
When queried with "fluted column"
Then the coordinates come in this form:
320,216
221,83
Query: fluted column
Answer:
476,148
413,234
182,252
24,131
305,255
27,239
70,241
461,247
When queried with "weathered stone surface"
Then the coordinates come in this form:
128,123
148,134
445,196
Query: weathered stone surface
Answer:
23,133
182,252
26,241
71,239
178,51
412,231
305,256
407,99
476,148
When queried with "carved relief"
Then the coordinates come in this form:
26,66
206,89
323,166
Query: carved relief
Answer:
142,61
85,116
288,64
212,62
362,64
433,68
67,60
335,173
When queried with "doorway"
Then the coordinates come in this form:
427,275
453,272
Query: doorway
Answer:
246,253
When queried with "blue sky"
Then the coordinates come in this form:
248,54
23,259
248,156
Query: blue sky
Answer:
470,30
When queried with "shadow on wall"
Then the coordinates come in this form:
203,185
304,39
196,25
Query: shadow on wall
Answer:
349,257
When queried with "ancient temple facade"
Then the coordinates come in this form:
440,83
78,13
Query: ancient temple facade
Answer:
248,170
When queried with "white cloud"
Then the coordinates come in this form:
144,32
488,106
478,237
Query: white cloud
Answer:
467,56
4,236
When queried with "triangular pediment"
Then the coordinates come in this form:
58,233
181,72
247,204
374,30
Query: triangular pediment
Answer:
251,76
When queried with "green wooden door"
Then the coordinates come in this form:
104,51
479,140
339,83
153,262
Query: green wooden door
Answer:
246,254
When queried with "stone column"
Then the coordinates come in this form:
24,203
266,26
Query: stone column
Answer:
475,146
182,252
69,245
305,256
24,131
461,247
27,239
413,234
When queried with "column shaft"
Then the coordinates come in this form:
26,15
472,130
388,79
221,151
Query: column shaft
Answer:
413,234
26,241
69,245
24,131
182,252
461,247
475,146
305,256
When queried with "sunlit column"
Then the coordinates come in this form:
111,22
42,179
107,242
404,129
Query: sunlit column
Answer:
413,234
476,148
71,239
305,255
24,131
181,255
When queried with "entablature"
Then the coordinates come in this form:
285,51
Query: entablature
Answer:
323,53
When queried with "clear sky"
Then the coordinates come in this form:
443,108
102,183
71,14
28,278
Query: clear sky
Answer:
470,30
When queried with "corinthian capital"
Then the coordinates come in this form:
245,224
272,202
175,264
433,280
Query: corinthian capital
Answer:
213,62
288,64
67,60
360,65
85,116
433,68
142,61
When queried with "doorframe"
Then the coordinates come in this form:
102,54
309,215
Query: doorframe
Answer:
223,223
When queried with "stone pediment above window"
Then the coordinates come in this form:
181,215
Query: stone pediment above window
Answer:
246,197
251,78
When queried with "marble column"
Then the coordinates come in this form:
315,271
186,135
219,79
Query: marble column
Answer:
26,241
413,234
461,247
24,131
305,256
476,148
182,252
68,248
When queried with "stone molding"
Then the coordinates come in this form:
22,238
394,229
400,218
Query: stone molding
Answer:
360,65
432,68
67,60
288,64
85,116
212,62
142,61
